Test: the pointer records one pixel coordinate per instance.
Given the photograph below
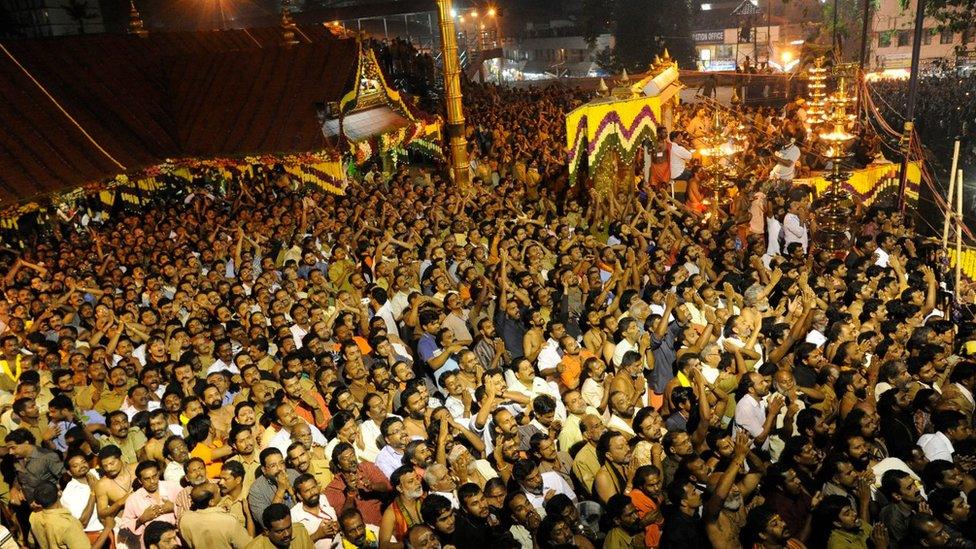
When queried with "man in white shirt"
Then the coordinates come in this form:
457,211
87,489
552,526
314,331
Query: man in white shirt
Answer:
551,354
537,485
395,435
78,493
794,228
752,415
786,160
951,426
383,308
314,512
679,158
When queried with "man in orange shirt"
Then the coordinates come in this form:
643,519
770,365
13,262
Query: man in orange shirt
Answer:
205,445
646,497
309,405
570,367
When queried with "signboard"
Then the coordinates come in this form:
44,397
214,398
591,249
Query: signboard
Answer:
966,58
708,37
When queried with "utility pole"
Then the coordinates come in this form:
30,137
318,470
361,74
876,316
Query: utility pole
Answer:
912,97
452,92
861,90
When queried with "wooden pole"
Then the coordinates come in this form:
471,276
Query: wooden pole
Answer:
959,181
952,186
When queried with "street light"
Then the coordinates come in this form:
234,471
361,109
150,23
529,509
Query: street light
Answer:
491,12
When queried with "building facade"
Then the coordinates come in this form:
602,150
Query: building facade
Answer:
892,35
36,18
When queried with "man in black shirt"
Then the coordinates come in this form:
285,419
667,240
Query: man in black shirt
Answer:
475,526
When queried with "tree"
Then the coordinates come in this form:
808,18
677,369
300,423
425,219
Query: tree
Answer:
849,23
643,29
952,15
596,18
78,11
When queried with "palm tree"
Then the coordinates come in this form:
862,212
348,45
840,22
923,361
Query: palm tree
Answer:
78,10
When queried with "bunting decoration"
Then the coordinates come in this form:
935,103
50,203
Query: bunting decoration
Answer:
622,125
869,184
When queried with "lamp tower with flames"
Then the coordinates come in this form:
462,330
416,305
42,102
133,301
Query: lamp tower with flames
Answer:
835,207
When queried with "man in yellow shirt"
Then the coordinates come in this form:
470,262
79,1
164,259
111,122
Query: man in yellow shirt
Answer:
281,533
53,526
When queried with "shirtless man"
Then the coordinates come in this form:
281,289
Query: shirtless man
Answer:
114,487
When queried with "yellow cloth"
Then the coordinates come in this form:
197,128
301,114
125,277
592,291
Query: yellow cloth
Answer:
57,528
299,540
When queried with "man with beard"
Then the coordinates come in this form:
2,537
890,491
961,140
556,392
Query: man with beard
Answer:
904,500
614,455
355,533
220,414
152,502
279,531
958,394
404,511
279,434
539,487
356,484
232,492
207,526
273,486
525,518
396,438
751,414
308,405
113,398
621,414
439,513
245,453
415,411
130,440
647,499
115,484
688,527
196,475
489,348
475,525
157,429
301,460
318,517
419,456
785,492
586,464
842,478
765,529
621,523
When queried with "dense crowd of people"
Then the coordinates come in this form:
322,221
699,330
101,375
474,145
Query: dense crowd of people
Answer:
946,109
258,364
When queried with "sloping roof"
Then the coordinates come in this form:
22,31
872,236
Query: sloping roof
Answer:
76,110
